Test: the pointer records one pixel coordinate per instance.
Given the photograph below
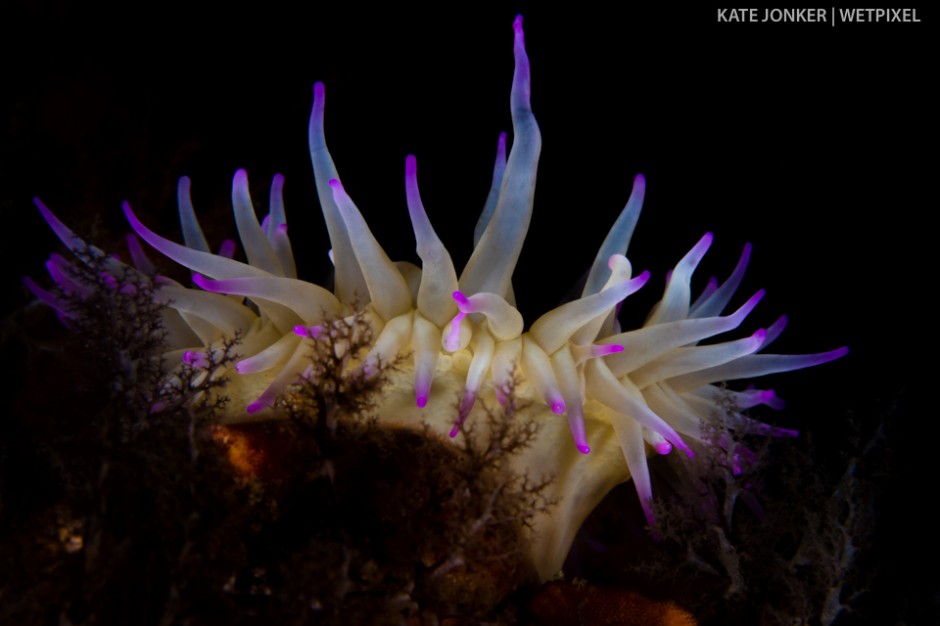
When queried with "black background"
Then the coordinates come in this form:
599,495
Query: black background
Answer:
809,141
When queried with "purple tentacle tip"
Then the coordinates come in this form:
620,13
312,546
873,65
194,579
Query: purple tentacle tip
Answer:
462,301
311,332
195,359
227,248
257,405
663,448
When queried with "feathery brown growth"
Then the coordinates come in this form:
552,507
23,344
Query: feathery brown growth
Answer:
377,523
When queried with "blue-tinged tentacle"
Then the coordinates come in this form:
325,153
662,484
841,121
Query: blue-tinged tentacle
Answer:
754,365
438,277
277,229
257,247
618,239
350,284
498,170
494,258
643,345
212,265
715,303
387,288
681,361
678,295
189,223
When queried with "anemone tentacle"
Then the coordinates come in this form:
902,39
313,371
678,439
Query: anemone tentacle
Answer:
602,396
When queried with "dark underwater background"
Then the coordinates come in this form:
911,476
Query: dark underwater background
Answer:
810,141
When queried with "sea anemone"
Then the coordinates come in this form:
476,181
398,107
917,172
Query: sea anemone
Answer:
602,397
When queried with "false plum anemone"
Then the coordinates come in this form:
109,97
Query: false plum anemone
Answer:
602,397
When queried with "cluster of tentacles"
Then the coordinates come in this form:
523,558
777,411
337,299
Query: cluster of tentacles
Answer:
653,385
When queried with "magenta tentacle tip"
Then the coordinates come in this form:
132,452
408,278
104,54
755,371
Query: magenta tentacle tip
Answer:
461,300
258,405
583,448
663,448
202,282
227,247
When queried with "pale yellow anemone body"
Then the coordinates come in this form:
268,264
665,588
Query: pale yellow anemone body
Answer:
601,397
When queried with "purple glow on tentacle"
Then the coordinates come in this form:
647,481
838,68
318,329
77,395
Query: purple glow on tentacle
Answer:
466,405
583,353
72,241
675,302
350,282
623,397
682,361
310,302
645,345
553,329
539,371
140,259
197,261
606,324
282,248
310,332
59,270
47,298
257,248
753,397
572,390
189,224
618,239
425,337
503,319
498,169
717,302
494,257
663,447
285,377
277,229
710,288
438,277
196,359
774,330
387,287
483,348
755,365
227,248
677,411
453,338
277,213
630,435
275,353
109,281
